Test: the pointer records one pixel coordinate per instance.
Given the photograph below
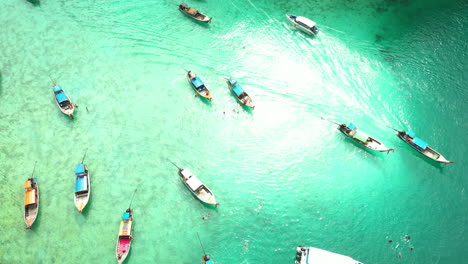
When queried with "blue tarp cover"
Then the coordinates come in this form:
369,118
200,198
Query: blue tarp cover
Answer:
232,81
237,90
419,142
197,82
61,97
79,169
351,126
209,262
126,216
410,133
57,88
81,184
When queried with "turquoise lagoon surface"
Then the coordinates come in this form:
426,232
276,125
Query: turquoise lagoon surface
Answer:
283,177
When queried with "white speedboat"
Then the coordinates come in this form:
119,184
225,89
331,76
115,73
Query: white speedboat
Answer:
311,255
304,24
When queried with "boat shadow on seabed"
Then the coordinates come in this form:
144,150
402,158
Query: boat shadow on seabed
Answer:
34,2
410,152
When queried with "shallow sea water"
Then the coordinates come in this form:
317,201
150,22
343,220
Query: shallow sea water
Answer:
283,177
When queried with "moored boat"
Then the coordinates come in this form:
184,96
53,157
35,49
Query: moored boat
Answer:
240,94
63,101
196,187
124,240
125,237
198,85
82,187
304,24
205,259
31,201
421,146
360,137
311,255
193,13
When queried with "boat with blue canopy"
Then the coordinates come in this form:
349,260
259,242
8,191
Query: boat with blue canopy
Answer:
304,24
241,95
82,186
421,146
360,137
63,101
198,85
124,239
311,255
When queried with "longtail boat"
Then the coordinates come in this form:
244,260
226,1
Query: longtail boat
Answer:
205,259
193,13
63,102
31,201
124,239
360,137
240,94
309,255
82,187
196,187
421,146
198,85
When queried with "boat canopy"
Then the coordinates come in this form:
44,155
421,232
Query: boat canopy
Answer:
419,142
238,90
209,262
351,126
125,228
320,256
30,197
61,97
410,133
126,216
57,88
232,81
79,169
194,183
197,82
305,21
361,136
81,184
27,184
186,173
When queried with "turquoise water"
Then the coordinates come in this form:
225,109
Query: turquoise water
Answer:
283,176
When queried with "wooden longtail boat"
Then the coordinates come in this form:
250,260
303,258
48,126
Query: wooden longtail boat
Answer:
360,137
63,102
196,187
198,85
421,146
308,255
82,187
193,13
31,201
205,259
124,240
240,94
